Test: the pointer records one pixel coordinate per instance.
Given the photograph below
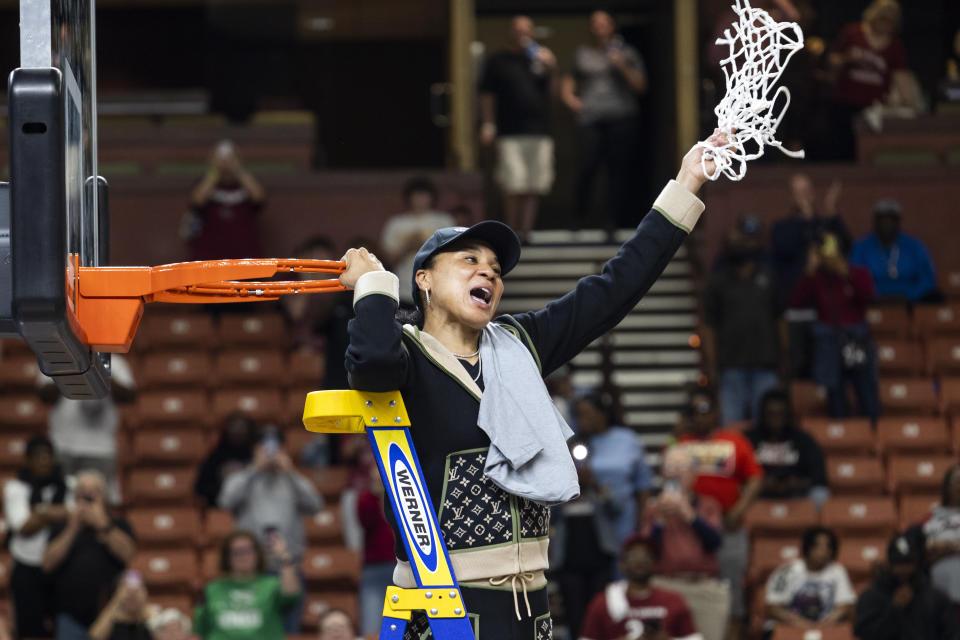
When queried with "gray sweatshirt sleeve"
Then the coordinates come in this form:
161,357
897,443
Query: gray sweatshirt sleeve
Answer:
236,489
308,499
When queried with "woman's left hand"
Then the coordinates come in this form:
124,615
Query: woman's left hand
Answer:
358,262
691,173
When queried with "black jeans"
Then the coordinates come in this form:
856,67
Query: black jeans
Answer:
614,143
30,588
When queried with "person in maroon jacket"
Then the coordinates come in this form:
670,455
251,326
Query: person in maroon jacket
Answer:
378,558
843,349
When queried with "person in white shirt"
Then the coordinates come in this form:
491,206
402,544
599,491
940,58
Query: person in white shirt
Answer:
37,498
405,232
813,590
84,432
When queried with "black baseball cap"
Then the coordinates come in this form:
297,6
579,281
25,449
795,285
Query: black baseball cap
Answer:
499,236
901,549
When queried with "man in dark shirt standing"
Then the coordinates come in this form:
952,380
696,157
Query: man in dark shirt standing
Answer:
514,102
85,556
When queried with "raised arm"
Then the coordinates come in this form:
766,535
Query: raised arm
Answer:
567,325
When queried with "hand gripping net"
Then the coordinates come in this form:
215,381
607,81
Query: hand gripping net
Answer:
759,50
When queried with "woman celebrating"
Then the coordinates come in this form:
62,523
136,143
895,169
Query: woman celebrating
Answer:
492,446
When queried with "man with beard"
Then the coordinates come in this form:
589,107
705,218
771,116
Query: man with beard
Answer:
633,609
901,604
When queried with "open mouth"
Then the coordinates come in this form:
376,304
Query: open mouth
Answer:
481,295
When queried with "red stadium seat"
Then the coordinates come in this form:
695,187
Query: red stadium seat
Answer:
934,320
263,405
293,403
859,556
769,553
19,371
833,632
25,411
13,447
889,321
950,284
298,438
250,367
167,570
332,566
841,435
169,446
153,486
950,396
324,527
808,399
917,473
943,356
217,525
10,347
858,475
318,603
210,564
161,527
177,329
908,395
860,515
912,435
190,408
261,329
330,481
915,509
780,517
175,369
183,604
899,357
306,369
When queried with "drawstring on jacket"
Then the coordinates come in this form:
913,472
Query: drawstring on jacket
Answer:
525,578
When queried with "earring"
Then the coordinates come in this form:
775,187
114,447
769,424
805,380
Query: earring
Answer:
427,293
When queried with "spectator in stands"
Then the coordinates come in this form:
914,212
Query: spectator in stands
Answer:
85,556
247,602
225,206
901,604
688,530
308,315
792,237
745,340
634,607
560,387
842,347
616,463
33,502
84,432
602,91
869,65
170,624
378,558
126,614
270,497
462,216
900,264
405,232
941,532
234,450
514,107
793,463
727,470
335,624
811,591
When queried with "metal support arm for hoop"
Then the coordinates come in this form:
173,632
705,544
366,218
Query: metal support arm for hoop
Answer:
383,417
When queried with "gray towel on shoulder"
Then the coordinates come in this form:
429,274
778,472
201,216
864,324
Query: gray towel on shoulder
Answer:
528,454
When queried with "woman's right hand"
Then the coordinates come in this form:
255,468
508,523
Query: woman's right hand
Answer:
358,262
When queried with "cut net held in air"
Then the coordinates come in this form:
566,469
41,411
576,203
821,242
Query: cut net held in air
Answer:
752,108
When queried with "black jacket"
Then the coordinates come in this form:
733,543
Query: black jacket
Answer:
930,616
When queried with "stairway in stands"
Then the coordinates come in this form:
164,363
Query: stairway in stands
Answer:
648,355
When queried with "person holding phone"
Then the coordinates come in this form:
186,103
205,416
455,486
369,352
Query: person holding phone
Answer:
247,602
634,609
270,498
125,616
85,556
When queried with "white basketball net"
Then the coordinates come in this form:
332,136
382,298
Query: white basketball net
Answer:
749,112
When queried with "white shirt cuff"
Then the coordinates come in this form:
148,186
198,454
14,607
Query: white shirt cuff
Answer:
679,206
381,282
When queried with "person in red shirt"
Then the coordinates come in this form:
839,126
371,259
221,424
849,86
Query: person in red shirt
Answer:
378,558
633,609
869,65
726,470
842,346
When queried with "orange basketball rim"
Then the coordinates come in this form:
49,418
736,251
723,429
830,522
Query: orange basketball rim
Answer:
111,299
